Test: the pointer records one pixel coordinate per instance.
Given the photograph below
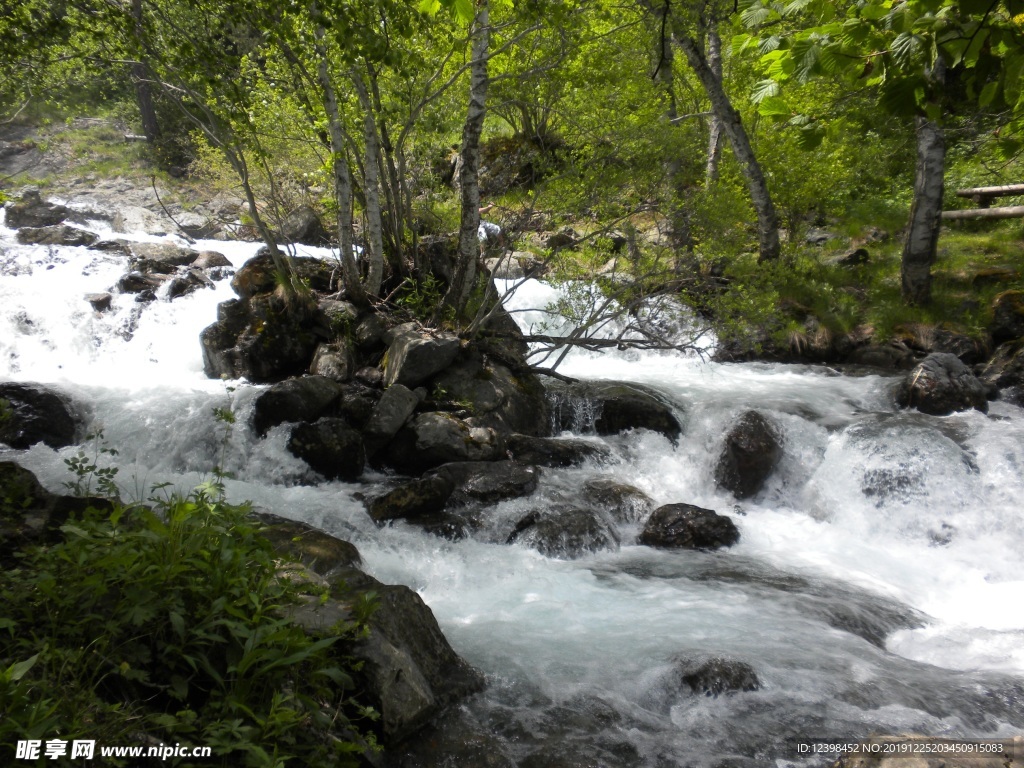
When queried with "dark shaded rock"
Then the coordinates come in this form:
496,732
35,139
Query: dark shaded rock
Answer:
715,676
1005,371
371,377
136,282
409,672
58,234
751,452
564,238
189,281
623,503
33,413
331,447
294,400
415,500
554,451
1008,316
334,360
160,258
357,404
488,482
984,278
855,258
303,225
257,275
567,532
121,247
389,415
260,339
369,332
893,356
432,439
341,315
414,355
453,740
925,339
495,395
684,526
610,407
32,211
320,552
99,301
940,385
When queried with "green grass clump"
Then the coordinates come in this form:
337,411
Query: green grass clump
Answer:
168,623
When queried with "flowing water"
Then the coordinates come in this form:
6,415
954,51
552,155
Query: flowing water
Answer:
877,586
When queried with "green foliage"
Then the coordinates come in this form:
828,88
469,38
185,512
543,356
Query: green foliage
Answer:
87,470
170,622
421,298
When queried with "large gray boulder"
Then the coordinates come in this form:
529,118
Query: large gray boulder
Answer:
433,438
415,355
566,532
685,526
331,447
752,451
294,400
941,384
621,502
57,234
389,415
30,210
34,413
160,258
334,360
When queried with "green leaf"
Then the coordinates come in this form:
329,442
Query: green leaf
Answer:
464,10
873,11
988,93
430,7
764,89
19,669
774,106
968,7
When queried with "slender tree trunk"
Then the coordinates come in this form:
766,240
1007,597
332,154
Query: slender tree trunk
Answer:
714,124
371,189
342,179
732,126
140,78
922,242
394,221
464,276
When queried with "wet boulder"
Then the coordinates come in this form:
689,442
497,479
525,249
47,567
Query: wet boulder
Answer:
611,407
623,503
320,552
566,532
100,302
57,234
488,482
389,415
189,281
416,500
137,282
941,384
357,404
261,339
33,413
433,438
716,675
211,260
498,397
329,446
160,258
554,451
1008,316
30,210
751,452
685,526
294,400
259,275
414,355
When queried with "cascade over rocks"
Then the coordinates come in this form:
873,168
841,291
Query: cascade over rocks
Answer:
684,526
33,413
414,355
611,407
566,532
751,452
330,446
294,400
31,210
622,502
56,234
940,385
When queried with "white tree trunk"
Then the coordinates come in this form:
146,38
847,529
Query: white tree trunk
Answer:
714,124
371,188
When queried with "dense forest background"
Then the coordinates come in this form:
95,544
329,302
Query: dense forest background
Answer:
728,152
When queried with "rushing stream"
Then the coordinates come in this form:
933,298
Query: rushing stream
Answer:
877,587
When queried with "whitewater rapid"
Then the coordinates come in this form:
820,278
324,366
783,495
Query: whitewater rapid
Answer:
877,585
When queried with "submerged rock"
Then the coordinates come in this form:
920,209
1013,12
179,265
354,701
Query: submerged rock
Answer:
622,502
940,385
684,526
554,451
568,532
611,407
716,675
33,413
751,452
